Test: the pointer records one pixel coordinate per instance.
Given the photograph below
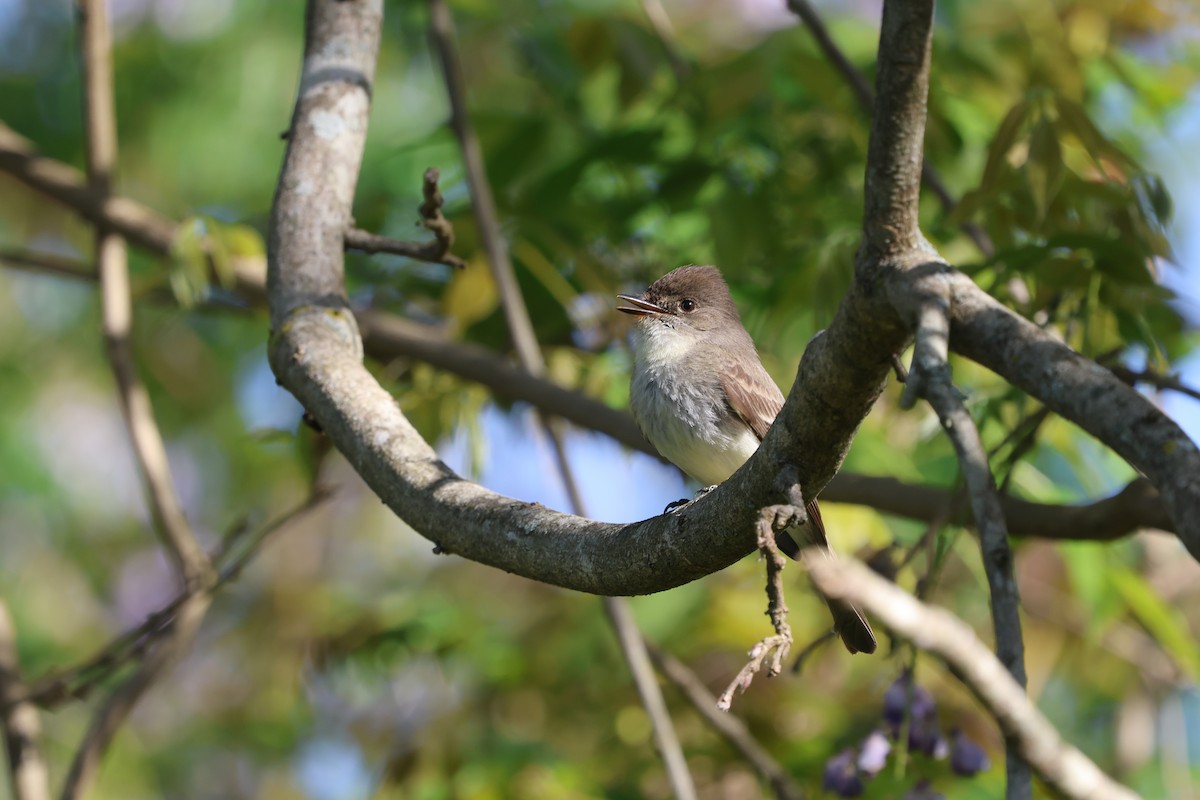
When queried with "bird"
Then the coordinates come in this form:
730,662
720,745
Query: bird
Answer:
700,395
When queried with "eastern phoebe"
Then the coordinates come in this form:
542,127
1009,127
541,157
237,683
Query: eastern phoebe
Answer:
702,397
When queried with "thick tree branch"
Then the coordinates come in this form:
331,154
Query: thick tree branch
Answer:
896,151
28,776
316,353
1084,392
1065,769
387,337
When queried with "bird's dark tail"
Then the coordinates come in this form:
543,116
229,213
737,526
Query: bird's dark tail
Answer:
848,622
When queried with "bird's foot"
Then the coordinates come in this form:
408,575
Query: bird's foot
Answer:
678,504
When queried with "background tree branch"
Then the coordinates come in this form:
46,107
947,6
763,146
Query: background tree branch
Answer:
1059,764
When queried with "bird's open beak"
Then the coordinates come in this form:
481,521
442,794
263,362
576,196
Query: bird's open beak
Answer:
640,307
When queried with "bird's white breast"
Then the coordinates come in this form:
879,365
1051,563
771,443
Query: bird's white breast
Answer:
684,414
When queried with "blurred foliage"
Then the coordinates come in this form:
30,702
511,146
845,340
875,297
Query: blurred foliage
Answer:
350,662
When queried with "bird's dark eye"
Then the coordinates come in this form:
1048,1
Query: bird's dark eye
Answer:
688,305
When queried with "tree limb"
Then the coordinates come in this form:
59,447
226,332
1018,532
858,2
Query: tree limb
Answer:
387,337
1064,768
316,353
866,99
929,377
190,561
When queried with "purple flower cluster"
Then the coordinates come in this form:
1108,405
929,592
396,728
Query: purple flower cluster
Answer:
906,706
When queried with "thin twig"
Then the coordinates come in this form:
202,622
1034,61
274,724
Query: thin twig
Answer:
633,648
116,708
78,681
1064,768
930,377
175,533
432,219
520,327
27,771
1154,378
117,310
52,263
771,520
728,726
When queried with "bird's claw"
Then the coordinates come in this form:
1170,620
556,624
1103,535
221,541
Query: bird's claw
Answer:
678,504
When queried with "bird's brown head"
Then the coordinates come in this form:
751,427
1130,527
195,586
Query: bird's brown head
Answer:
689,297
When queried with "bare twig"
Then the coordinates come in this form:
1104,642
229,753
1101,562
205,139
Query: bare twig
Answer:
116,708
771,520
728,726
175,533
77,682
437,251
27,771
638,661
367,242
52,263
100,116
1059,764
520,327
487,219
1154,378
930,377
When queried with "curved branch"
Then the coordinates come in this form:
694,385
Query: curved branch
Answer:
316,353
387,336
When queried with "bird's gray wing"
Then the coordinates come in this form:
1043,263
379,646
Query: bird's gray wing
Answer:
752,395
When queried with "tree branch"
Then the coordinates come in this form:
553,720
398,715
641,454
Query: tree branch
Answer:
866,99
192,564
116,708
930,377
1065,769
117,310
316,353
896,151
437,251
76,682
27,771
387,337
1083,392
